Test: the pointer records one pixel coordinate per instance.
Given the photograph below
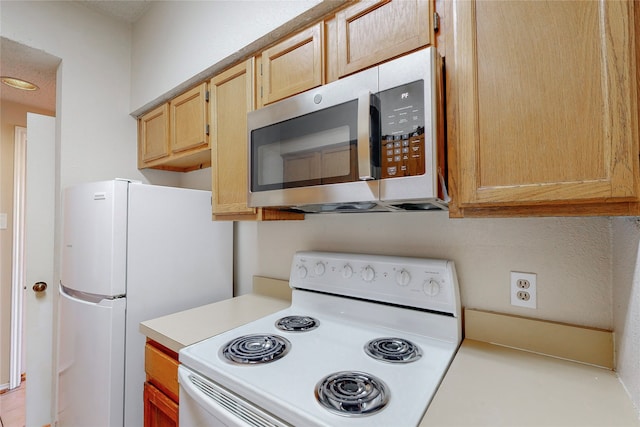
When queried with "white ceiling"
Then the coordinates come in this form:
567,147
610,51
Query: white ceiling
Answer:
128,11
38,67
32,65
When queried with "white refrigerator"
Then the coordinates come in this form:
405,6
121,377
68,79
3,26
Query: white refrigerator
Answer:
131,252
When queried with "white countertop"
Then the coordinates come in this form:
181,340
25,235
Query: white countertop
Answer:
491,385
184,328
486,385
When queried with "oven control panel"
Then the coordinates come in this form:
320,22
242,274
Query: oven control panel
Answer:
429,284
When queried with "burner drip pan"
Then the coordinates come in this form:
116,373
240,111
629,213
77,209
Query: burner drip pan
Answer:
255,349
297,323
352,393
394,350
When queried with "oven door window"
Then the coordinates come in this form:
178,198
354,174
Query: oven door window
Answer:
315,149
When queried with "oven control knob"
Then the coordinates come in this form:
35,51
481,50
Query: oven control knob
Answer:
347,271
319,269
368,274
403,277
302,272
431,287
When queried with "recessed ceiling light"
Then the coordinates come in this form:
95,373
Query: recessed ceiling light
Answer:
18,83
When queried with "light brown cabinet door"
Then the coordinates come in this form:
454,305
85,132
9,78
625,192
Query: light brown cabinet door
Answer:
154,135
160,395
543,102
231,99
159,410
370,32
174,136
293,65
161,368
188,114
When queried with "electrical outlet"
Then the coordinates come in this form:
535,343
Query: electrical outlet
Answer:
523,289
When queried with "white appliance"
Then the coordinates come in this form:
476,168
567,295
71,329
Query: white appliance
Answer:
131,252
366,342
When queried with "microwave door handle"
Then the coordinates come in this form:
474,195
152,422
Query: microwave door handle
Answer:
363,142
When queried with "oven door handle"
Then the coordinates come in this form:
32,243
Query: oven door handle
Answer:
364,137
221,404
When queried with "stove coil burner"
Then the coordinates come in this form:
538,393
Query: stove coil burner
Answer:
256,349
352,393
297,323
394,350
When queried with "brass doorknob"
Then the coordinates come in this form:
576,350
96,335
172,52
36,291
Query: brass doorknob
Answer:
39,287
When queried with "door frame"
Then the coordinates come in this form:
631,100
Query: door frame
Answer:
18,268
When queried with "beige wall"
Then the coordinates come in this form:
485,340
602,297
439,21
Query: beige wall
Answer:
626,303
571,256
11,115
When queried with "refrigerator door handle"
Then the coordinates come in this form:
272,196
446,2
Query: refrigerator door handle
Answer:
85,296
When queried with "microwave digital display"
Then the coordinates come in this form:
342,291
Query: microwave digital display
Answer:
402,122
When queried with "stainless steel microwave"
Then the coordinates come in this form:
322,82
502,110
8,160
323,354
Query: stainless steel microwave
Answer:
367,142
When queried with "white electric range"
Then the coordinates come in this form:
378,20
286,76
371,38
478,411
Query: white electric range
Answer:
366,341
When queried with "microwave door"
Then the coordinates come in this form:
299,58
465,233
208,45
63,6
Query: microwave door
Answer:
315,148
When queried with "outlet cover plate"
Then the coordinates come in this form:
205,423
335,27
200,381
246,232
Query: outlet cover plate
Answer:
524,289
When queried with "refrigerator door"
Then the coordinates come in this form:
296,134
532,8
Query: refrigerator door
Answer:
177,259
95,238
90,357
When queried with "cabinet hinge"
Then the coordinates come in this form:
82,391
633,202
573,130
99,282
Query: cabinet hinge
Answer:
207,129
206,96
436,22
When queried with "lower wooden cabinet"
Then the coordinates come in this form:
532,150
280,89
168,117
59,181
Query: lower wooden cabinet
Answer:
159,410
161,389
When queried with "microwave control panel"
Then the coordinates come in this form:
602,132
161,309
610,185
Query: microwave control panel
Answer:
402,122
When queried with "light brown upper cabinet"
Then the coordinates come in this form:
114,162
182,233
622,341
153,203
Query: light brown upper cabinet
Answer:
188,114
371,32
231,100
292,66
175,136
542,107
153,138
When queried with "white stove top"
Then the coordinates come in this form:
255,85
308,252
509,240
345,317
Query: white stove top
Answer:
286,387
